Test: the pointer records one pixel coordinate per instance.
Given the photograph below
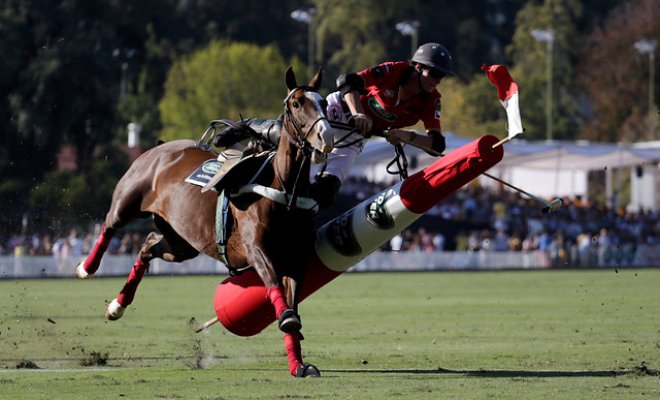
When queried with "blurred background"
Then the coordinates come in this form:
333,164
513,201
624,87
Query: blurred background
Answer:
85,87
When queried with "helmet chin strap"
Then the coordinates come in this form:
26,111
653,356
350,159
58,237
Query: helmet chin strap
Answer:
419,81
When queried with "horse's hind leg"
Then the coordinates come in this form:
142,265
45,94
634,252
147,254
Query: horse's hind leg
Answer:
90,265
125,207
169,246
115,309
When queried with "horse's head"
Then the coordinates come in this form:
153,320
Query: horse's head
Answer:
305,110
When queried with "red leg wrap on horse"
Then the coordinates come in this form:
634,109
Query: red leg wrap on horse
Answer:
277,299
293,352
93,260
127,294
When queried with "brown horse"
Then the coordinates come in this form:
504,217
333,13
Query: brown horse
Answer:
273,238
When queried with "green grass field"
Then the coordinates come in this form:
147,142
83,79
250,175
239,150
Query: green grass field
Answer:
453,335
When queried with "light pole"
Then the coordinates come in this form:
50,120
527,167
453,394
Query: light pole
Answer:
409,29
548,36
307,16
648,46
125,55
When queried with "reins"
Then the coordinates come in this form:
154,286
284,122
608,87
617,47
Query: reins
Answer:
399,159
300,141
401,163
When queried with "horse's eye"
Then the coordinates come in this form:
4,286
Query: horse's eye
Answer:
295,104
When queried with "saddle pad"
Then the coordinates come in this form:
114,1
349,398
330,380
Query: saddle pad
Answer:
204,173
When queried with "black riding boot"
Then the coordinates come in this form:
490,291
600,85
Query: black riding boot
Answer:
324,190
268,129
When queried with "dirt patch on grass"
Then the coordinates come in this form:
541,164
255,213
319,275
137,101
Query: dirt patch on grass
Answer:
95,359
27,364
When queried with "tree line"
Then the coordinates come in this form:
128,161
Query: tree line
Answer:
75,73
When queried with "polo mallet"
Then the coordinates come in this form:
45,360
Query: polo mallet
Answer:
206,324
547,207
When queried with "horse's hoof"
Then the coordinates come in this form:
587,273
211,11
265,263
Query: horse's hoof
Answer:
80,270
290,321
307,370
114,310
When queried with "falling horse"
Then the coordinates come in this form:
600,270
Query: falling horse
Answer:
273,237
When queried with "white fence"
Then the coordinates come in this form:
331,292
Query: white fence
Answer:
115,265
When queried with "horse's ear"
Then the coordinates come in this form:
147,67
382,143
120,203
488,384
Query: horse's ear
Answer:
317,79
290,78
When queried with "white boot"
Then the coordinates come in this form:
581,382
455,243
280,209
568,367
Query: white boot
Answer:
80,270
114,310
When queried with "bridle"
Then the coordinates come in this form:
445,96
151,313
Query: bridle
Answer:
299,140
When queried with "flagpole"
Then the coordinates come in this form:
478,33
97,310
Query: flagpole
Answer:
501,142
507,92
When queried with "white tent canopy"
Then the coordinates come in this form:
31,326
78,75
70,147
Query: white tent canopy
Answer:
548,165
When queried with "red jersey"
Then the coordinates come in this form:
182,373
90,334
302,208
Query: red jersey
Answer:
380,96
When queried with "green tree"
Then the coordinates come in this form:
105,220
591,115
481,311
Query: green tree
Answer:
615,75
529,58
223,80
57,87
352,34
63,65
73,198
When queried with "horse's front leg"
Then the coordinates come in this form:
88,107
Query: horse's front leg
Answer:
292,340
288,318
289,323
290,292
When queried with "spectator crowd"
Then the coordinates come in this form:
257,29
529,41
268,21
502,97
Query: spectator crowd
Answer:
478,219
474,219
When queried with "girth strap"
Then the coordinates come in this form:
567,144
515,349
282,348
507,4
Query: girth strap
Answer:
221,212
278,196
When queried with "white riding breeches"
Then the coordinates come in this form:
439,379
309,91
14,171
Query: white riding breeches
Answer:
341,159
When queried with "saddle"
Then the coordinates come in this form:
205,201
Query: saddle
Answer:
238,182
244,171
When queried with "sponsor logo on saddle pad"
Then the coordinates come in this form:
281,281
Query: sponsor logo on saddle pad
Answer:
204,173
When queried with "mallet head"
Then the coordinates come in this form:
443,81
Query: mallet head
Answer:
552,206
